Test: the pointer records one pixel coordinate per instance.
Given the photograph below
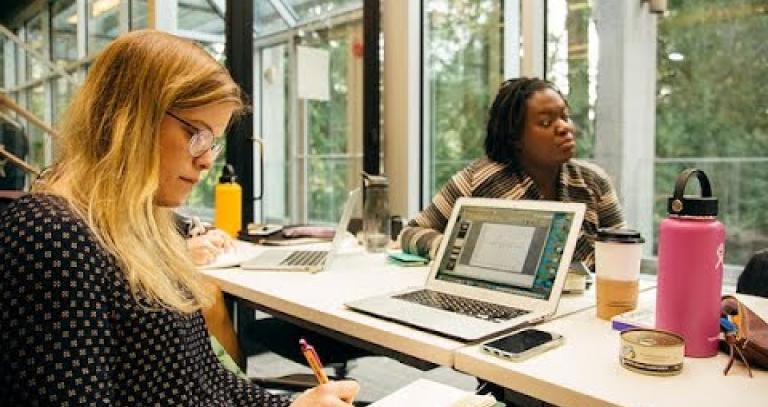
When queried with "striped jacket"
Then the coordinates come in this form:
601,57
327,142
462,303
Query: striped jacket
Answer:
579,182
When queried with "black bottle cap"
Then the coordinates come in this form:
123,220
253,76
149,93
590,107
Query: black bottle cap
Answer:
680,204
619,236
228,174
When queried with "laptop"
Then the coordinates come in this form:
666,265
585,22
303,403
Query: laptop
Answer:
501,265
312,261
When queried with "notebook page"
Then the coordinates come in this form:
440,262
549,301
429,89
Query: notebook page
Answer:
427,393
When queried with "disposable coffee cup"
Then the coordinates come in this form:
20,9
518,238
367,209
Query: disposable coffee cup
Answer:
617,267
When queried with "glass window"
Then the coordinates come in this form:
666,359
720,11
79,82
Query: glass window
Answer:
712,111
197,15
63,50
34,39
313,147
572,56
64,32
463,67
311,9
139,18
36,106
334,156
266,20
103,23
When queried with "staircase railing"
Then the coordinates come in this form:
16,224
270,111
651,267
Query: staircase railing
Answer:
5,101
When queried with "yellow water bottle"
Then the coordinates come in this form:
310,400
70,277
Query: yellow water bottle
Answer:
228,202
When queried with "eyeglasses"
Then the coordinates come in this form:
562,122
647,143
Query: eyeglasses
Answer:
201,140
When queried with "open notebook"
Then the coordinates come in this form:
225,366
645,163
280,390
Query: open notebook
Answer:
424,392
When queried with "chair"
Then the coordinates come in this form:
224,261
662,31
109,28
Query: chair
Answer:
754,279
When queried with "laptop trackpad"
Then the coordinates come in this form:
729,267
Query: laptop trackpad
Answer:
269,258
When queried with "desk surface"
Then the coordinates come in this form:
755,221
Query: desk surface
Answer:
585,371
319,299
354,274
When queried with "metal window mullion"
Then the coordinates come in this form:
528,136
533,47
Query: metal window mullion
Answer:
258,129
239,53
371,86
426,113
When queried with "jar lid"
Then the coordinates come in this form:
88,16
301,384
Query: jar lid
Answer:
614,235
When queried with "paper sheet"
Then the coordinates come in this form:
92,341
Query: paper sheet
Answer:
423,392
232,258
313,74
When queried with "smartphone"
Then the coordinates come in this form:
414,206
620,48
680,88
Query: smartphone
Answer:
263,229
523,344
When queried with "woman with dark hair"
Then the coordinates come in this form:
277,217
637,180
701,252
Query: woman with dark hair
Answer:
529,147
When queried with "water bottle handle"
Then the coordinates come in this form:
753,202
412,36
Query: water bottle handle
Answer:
682,181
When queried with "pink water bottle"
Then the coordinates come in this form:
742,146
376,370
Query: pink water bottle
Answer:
691,253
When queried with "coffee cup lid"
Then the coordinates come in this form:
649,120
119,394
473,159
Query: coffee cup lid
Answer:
619,236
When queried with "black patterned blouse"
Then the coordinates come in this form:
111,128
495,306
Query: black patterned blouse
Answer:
71,333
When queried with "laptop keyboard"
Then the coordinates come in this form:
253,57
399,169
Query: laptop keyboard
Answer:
461,305
305,258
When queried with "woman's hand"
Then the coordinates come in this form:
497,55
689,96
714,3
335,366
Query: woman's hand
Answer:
333,394
204,248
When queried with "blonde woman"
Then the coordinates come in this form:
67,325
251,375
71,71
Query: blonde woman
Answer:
99,303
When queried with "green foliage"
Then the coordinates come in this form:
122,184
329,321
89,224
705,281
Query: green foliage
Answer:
714,103
464,60
328,168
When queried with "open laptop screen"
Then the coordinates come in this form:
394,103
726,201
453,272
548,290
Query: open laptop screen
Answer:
506,249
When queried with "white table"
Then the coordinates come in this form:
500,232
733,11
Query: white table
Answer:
585,371
316,301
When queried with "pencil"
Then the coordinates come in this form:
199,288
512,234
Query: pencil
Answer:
313,360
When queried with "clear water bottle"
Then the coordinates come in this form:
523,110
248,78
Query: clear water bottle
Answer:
690,275
376,223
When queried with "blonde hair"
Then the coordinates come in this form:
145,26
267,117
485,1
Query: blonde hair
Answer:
108,160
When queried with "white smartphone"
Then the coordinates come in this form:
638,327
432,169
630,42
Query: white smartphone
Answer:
523,344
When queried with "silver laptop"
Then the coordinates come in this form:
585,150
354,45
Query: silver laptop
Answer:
501,265
311,261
